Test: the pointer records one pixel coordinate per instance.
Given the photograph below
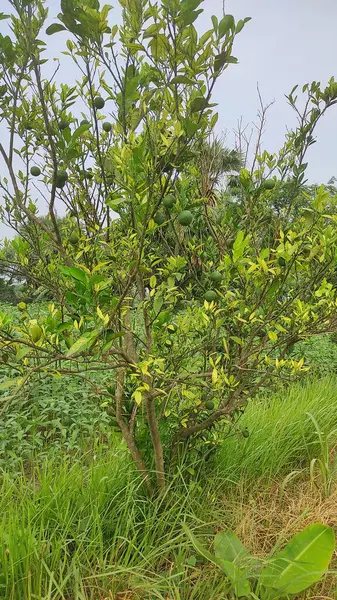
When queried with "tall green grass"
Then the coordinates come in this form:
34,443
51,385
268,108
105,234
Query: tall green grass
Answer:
69,530
82,528
281,435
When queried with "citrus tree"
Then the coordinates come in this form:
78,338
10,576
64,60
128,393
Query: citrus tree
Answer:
184,307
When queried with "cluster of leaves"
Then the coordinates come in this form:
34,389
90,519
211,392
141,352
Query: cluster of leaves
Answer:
185,305
302,562
53,415
319,353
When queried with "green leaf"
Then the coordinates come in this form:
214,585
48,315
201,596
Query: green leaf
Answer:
114,202
198,104
190,16
228,546
226,24
78,132
183,79
3,16
234,574
187,5
220,61
215,23
55,28
75,273
302,562
83,343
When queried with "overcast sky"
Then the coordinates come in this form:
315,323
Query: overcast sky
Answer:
286,42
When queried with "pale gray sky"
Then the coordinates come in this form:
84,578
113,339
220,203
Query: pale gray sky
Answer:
286,42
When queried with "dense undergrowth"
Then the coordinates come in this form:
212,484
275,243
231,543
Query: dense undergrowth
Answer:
79,526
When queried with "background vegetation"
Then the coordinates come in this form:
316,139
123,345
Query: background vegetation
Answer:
168,345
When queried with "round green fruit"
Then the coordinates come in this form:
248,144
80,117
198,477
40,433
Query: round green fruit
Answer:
107,126
245,433
169,201
73,238
63,124
35,332
159,218
185,218
85,122
99,102
35,171
269,184
22,306
209,405
211,296
216,276
282,261
61,179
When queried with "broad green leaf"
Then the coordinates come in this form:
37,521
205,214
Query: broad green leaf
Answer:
3,16
199,103
183,79
114,202
234,574
78,132
82,344
228,546
190,16
187,5
75,273
302,562
226,24
55,28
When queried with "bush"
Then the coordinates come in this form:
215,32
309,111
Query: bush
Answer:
8,292
319,353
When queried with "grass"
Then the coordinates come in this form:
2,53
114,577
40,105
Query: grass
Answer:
282,435
81,528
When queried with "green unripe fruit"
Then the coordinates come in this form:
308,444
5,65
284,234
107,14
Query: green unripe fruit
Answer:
159,218
99,102
216,276
107,126
85,122
63,124
73,238
269,184
211,296
245,433
282,261
209,405
22,306
185,218
169,201
61,179
35,332
35,171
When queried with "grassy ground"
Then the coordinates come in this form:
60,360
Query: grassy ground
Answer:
83,529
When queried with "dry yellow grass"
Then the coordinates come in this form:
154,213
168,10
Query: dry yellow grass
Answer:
272,516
